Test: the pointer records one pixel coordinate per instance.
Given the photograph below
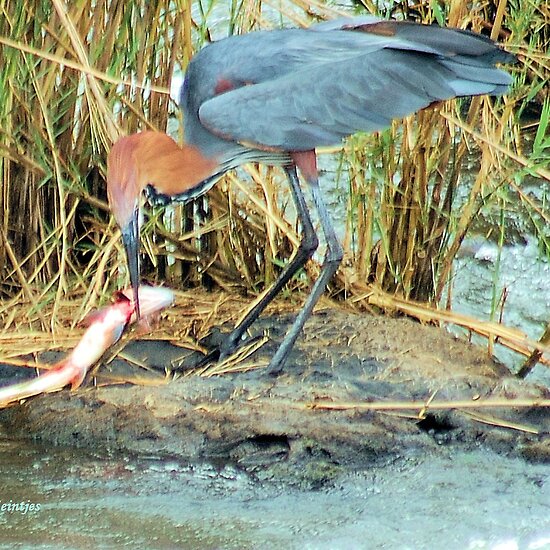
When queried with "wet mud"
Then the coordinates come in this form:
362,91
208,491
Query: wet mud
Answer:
275,427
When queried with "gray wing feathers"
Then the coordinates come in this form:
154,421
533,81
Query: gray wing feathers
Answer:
361,88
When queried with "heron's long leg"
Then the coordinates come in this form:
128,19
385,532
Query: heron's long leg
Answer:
307,247
332,260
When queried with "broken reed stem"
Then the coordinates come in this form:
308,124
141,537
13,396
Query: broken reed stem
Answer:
536,355
511,338
423,406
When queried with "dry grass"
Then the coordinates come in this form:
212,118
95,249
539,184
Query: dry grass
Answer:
76,75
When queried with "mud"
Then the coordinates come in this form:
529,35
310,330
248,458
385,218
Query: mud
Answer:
266,425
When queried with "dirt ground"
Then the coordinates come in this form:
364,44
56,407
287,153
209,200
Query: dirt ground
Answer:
269,426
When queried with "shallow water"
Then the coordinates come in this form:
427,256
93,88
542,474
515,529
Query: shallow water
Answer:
462,499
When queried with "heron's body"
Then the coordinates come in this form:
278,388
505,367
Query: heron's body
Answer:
298,89
275,96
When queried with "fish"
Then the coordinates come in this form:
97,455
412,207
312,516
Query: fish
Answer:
105,327
156,299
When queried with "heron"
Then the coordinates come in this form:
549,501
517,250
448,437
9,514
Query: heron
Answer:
274,97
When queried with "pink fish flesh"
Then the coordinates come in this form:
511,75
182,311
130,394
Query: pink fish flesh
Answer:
105,327
152,300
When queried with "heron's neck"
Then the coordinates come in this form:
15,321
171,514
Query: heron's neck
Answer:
168,170
182,170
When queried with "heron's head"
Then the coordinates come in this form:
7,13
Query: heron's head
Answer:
124,187
149,159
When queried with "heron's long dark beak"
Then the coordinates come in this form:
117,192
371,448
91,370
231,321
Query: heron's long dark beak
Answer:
130,238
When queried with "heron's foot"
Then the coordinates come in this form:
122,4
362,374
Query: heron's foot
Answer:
223,347
277,363
230,345
274,369
208,359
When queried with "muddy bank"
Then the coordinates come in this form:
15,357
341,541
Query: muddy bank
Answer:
266,426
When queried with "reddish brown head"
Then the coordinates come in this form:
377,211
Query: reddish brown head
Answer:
148,158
